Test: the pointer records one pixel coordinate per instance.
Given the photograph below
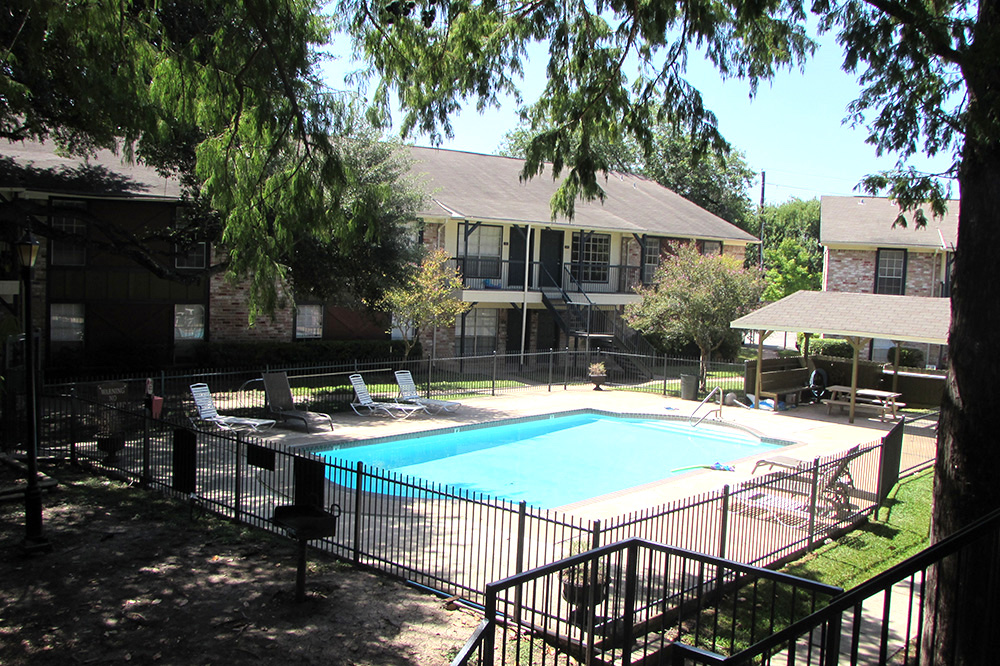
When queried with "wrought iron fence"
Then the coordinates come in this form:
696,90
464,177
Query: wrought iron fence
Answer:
448,538
326,388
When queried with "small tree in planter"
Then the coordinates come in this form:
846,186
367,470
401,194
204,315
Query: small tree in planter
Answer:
583,585
598,374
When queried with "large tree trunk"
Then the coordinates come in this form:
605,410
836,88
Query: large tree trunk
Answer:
963,597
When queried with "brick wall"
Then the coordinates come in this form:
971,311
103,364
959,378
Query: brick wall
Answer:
854,271
228,312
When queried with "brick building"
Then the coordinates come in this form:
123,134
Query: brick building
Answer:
563,282
864,253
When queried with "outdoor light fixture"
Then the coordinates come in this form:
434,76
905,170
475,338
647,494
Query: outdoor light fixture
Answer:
34,541
27,250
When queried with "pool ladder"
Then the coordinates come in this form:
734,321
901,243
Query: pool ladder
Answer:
714,410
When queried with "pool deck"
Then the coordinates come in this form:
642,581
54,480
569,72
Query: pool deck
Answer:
815,432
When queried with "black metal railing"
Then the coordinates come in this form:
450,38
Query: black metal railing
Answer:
631,602
493,273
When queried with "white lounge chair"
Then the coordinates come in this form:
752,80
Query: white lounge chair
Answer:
205,405
408,393
364,400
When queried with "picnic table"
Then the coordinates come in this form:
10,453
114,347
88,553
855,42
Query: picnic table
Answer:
885,402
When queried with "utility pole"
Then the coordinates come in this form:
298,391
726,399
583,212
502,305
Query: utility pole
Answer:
760,213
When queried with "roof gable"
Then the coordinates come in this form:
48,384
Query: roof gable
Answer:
487,187
868,221
35,165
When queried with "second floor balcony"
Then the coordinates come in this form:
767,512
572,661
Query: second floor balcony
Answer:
495,274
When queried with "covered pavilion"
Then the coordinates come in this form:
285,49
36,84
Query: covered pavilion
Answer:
858,318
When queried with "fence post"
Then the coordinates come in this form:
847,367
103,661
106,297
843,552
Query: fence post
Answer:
664,375
238,484
522,514
73,429
493,389
552,361
814,504
724,527
595,534
358,479
147,420
430,369
566,370
631,583
489,636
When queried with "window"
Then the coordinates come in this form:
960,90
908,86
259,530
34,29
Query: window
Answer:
189,322
190,257
66,322
650,259
890,272
481,255
591,257
66,252
711,248
308,321
480,331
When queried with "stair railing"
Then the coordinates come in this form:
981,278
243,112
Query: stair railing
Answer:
715,410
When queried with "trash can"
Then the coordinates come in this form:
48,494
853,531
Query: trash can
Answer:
689,387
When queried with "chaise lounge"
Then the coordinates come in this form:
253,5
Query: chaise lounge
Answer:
365,401
281,403
408,394
207,412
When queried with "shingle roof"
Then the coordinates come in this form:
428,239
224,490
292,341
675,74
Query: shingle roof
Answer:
36,166
486,187
868,221
899,318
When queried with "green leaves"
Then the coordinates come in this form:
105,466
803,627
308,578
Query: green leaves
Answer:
428,300
695,297
613,69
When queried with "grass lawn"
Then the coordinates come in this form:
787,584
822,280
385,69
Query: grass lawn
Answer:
902,530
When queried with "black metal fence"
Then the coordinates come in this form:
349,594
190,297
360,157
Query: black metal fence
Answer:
635,602
447,538
326,388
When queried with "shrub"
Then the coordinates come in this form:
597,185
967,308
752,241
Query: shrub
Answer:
908,357
831,347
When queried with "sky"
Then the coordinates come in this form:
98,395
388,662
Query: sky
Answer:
792,130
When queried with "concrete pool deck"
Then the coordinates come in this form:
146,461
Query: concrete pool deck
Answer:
814,432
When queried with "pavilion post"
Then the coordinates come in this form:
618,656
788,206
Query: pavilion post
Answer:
856,343
895,366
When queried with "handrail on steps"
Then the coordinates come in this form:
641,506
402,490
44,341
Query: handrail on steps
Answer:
714,410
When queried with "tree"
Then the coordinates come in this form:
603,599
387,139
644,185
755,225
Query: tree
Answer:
793,257
930,83
717,182
427,301
222,95
696,297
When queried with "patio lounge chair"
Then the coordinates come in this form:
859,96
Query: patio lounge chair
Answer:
408,393
205,405
365,401
786,497
281,404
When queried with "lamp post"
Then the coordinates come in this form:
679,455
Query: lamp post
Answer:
27,252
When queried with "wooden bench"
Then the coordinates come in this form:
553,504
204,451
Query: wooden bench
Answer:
777,383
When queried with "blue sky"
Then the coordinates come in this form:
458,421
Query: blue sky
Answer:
792,130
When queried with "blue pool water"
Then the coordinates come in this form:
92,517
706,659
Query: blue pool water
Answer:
556,461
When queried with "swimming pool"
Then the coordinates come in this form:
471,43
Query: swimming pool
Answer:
557,460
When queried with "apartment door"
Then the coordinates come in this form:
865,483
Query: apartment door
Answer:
516,258
550,254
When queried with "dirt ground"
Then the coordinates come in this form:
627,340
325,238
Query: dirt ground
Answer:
133,576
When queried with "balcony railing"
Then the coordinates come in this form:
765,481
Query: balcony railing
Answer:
491,273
